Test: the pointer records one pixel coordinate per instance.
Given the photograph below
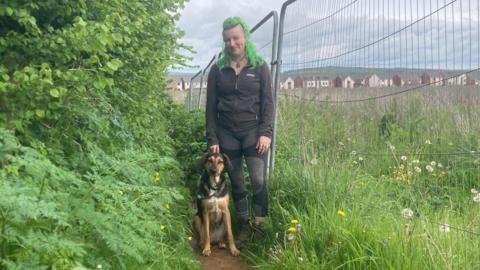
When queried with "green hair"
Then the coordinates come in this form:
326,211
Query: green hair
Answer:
252,56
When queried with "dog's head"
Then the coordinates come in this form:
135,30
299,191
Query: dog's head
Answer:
215,164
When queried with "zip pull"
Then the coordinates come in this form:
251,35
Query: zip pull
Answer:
236,82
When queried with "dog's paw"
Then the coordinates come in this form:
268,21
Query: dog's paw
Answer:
235,252
206,252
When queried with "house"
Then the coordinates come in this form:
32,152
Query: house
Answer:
288,84
338,82
373,81
310,82
348,82
171,86
323,82
397,81
298,82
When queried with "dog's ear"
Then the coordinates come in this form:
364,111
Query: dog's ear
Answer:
201,162
226,161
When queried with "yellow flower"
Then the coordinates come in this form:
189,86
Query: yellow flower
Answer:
294,221
120,191
292,229
189,238
157,176
167,206
162,227
341,213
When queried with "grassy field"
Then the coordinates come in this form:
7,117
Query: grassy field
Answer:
381,184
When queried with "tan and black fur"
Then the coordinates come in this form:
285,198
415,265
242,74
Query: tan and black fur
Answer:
212,221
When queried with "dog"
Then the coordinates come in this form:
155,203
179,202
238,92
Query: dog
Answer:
212,220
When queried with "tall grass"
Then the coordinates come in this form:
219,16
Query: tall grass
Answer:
361,158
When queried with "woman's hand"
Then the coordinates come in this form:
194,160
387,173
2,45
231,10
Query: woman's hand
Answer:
263,144
215,149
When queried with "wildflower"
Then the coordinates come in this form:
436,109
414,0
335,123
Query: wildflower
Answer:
157,176
99,266
433,163
294,221
290,237
360,158
477,198
292,229
474,191
404,158
355,163
407,213
439,165
392,147
341,213
300,259
409,173
313,161
418,169
341,143
120,192
415,161
428,142
353,153
167,205
189,238
429,168
162,227
445,228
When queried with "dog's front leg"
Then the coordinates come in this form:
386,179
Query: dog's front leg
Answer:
228,225
206,232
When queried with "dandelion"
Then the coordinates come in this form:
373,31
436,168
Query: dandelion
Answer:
355,163
341,213
415,161
99,266
341,143
428,142
392,147
290,237
360,159
404,158
353,153
294,221
433,163
120,192
474,191
477,198
439,165
300,259
418,169
157,176
445,228
409,173
292,229
162,227
429,168
313,161
189,238
407,213
167,205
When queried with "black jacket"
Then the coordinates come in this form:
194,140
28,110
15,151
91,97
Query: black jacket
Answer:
239,103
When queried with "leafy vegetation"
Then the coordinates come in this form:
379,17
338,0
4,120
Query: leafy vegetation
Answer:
88,167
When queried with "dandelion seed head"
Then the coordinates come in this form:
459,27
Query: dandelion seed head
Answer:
477,198
428,142
404,158
392,147
407,213
429,168
353,153
433,163
300,259
409,173
474,191
99,266
415,161
360,158
418,169
445,228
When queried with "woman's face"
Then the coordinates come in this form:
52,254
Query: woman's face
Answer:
234,39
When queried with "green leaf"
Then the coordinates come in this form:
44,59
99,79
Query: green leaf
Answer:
54,93
9,11
40,113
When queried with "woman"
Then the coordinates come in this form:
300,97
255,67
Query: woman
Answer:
239,116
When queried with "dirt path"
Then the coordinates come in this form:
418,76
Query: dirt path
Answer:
221,259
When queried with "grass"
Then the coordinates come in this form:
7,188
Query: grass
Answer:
360,158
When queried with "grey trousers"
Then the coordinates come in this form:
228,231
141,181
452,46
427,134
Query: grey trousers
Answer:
237,146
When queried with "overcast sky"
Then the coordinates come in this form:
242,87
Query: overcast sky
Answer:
441,34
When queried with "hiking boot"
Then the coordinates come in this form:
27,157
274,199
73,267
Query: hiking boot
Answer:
244,234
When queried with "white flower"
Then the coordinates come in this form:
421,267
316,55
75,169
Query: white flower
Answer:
418,169
300,259
392,147
429,168
353,153
428,142
355,163
474,191
341,143
360,158
433,163
477,198
99,266
404,158
407,213
445,228
415,161
439,165
409,173
290,237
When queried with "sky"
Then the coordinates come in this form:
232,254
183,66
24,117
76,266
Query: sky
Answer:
436,34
